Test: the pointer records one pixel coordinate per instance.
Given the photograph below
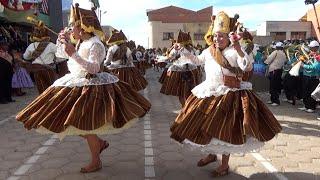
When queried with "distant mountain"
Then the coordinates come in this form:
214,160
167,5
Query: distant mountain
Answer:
66,4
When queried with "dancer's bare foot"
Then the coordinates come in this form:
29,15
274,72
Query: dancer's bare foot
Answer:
222,170
92,167
207,160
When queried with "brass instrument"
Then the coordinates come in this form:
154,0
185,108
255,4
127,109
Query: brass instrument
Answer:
39,23
291,52
301,55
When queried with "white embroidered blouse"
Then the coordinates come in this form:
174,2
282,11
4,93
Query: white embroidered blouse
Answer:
213,85
86,60
46,57
117,63
181,63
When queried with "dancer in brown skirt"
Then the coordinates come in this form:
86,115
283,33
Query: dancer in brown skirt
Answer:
223,115
85,102
41,53
120,62
182,75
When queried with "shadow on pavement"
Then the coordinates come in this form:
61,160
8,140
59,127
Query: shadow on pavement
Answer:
288,175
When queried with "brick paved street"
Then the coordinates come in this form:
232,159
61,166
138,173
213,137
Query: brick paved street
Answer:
146,152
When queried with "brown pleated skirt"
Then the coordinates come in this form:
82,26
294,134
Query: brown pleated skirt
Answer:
163,75
132,76
146,65
139,66
180,83
44,79
94,109
231,118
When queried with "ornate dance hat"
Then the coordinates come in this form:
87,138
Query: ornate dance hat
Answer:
221,23
117,37
87,19
184,38
39,34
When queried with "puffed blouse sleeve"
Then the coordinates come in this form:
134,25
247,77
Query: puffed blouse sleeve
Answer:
96,57
246,62
198,60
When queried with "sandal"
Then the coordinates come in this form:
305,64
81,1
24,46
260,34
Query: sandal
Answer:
216,173
205,161
84,170
104,146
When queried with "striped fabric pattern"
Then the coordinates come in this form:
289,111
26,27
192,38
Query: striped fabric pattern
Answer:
163,75
85,108
132,76
174,83
44,79
140,67
230,118
44,7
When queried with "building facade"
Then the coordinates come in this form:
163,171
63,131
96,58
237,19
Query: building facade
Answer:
283,30
311,16
165,23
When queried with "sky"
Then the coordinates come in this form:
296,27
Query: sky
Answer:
131,17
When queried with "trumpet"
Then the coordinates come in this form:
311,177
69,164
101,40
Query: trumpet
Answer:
39,23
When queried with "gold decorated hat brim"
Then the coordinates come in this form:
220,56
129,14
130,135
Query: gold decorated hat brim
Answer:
39,39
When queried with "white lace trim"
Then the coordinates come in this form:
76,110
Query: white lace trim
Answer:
206,89
79,80
182,64
221,147
116,66
105,129
182,67
161,58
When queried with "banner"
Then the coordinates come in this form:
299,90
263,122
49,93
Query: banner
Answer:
18,5
21,16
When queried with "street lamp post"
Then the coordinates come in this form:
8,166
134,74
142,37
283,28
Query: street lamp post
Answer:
100,14
313,2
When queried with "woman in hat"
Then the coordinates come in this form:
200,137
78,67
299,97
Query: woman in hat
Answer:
223,115
41,55
120,62
182,74
85,102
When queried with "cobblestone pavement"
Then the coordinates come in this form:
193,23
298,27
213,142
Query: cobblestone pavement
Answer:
146,152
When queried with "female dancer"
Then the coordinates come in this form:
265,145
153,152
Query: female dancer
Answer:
120,62
223,115
85,102
182,75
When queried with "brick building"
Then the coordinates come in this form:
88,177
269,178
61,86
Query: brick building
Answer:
282,30
311,16
165,23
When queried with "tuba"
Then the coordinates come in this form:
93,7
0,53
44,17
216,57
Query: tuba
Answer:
301,55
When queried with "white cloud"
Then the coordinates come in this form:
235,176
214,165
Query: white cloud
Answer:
130,16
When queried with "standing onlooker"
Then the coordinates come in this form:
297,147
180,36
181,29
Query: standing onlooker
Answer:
6,72
276,61
21,78
311,72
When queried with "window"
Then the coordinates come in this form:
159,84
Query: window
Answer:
198,36
167,35
278,36
298,35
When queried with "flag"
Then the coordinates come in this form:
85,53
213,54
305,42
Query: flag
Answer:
44,8
95,3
